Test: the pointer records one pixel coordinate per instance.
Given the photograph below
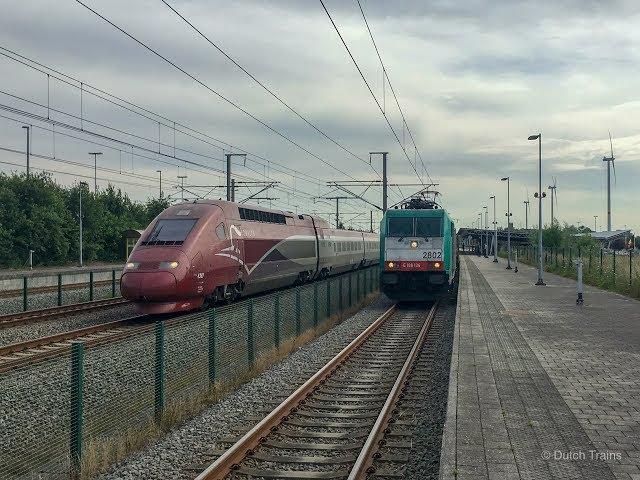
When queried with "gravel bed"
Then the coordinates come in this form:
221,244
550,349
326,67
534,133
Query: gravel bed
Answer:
431,411
73,321
190,444
41,300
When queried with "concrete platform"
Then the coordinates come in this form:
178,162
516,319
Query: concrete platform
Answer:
541,388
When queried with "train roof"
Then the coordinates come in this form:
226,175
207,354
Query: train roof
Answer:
410,212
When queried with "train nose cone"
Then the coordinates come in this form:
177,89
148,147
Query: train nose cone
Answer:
153,286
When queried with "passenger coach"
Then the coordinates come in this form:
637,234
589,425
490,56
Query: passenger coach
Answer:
418,253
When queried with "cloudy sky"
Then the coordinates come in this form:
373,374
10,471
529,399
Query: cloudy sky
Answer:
474,80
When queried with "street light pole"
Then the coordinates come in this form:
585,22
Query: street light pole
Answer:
508,214
595,223
95,170
486,231
81,186
28,128
160,172
540,194
495,231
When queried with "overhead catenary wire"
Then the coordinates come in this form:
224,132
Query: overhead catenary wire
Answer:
269,90
213,91
386,76
364,79
130,106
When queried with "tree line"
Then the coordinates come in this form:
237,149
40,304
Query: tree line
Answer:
38,214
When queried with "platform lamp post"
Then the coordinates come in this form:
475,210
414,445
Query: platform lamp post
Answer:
81,186
508,215
486,231
495,231
480,234
540,194
595,223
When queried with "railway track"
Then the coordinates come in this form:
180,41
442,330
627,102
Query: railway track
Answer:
17,292
337,422
34,351
33,316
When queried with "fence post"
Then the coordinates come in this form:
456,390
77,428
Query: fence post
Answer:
614,266
276,321
630,267
113,283
25,303
350,289
77,381
366,284
328,298
340,294
570,257
59,289
298,322
212,346
590,255
90,286
562,257
159,372
250,342
601,261
315,304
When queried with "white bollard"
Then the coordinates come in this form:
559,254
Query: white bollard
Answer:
580,299
516,269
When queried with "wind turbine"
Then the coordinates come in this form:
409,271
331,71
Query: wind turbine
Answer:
526,211
610,161
553,196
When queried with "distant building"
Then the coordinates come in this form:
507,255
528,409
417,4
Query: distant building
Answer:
615,239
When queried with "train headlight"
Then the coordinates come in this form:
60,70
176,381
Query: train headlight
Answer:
132,265
437,264
169,265
414,244
390,264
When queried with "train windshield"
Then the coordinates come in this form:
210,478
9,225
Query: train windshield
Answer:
400,227
170,231
428,227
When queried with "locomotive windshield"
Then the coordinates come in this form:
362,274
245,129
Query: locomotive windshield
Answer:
170,231
400,227
428,227
415,227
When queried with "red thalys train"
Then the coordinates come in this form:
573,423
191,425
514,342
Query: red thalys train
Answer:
195,254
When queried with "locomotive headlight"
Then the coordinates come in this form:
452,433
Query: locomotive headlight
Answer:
414,244
169,265
132,265
437,264
390,264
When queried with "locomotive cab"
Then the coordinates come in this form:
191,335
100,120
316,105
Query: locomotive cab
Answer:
417,254
166,271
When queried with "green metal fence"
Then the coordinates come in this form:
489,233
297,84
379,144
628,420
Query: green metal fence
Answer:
75,412
46,291
618,271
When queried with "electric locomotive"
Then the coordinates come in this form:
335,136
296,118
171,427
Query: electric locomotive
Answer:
418,252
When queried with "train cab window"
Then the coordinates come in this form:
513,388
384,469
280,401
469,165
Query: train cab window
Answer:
220,231
400,227
428,227
170,231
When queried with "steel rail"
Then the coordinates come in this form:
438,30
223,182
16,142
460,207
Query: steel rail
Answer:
362,466
33,316
228,461
34,351
17,292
